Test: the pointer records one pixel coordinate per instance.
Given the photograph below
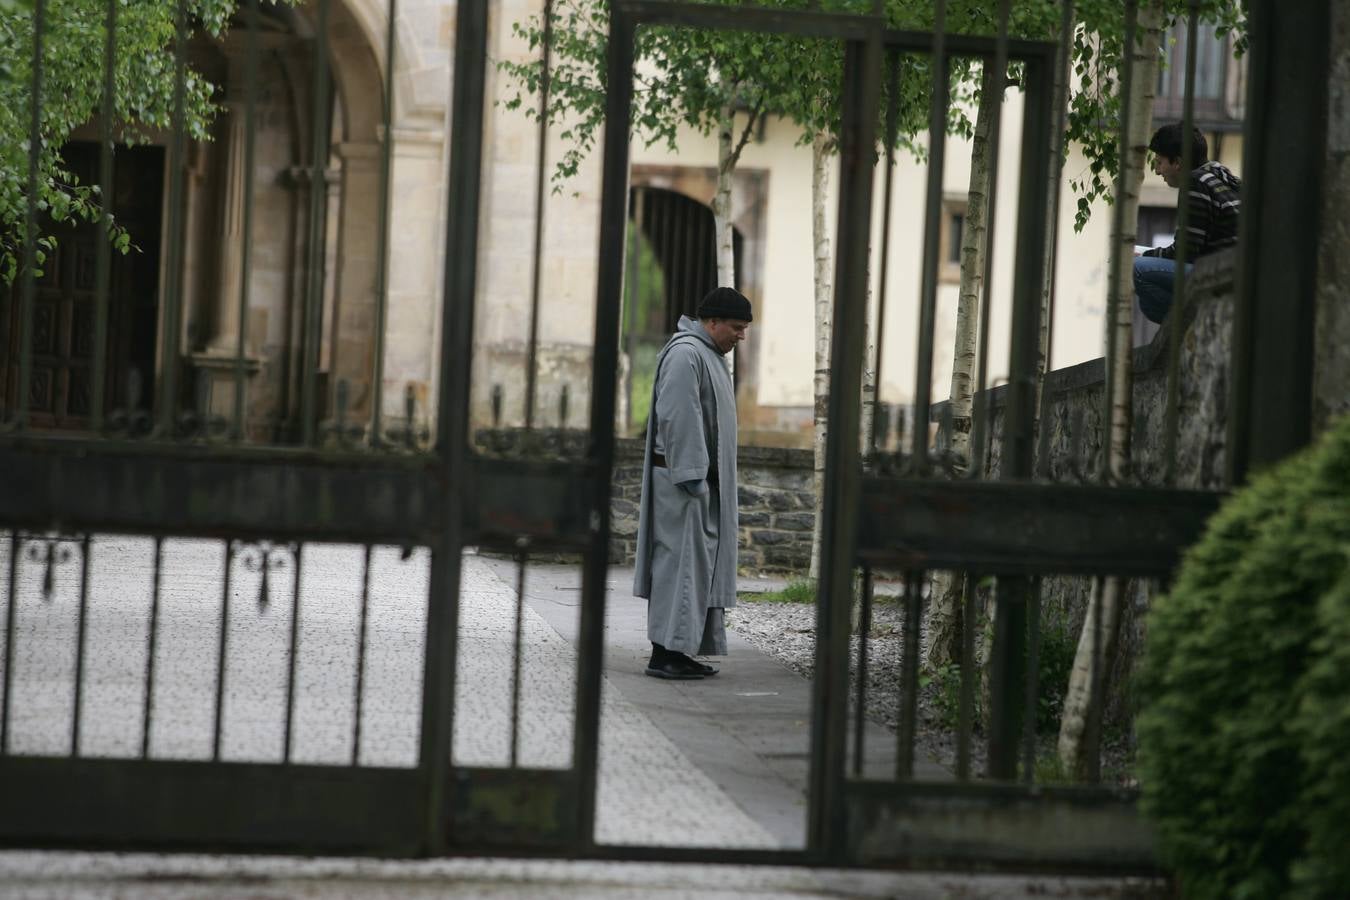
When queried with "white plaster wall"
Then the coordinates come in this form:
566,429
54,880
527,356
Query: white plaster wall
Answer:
784,321
785,325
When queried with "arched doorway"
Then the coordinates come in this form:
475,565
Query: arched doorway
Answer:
292,239
671,265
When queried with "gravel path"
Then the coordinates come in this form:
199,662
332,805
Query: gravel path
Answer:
787,632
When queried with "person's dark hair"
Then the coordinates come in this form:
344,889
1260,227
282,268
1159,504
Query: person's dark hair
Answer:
1166,142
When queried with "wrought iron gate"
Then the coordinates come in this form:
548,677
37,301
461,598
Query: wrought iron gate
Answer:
164,474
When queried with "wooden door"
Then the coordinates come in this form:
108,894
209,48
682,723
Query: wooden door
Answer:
65,300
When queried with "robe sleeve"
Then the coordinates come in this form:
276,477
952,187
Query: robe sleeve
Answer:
679,417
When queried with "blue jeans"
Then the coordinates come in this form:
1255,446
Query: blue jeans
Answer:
1153,280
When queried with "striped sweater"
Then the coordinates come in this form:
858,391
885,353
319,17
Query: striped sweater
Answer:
1215,198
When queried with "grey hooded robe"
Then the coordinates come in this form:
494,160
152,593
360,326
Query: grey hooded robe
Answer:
686,546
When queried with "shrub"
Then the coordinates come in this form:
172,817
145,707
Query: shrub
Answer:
1058,645
1244,720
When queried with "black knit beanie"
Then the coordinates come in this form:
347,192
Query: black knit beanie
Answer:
725,303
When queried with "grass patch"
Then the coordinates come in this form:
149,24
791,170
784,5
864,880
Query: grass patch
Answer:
794,592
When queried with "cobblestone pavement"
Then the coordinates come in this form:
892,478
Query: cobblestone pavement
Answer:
640,768
651,758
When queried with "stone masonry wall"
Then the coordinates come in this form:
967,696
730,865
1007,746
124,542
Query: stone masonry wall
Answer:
1073,448
776,506
776,500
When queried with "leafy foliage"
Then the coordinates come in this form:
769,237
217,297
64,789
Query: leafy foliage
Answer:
73,41
1094,106
1056,649
1245,707
684,77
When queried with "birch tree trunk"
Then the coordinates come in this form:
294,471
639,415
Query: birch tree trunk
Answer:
820,237
1080,728
944,613
726,166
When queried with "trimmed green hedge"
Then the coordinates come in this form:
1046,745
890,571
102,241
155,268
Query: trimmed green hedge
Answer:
1244,730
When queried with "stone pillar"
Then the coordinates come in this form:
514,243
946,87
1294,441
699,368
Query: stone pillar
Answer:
224,335
354,330
218,363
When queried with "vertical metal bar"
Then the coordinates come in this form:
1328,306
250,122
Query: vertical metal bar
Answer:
152,641
633,294
1008,657
661,246
861,93
516,657
892,129
29,283
540,177
103,258
1032,682
246,237
679,274
1271,400
1117,227
223,649
11,616
318,204
359,691
981,390
966,708
299,551
928,282
382,237
171,336
864,633
459,288
81,632
908,726
609,297
1182,249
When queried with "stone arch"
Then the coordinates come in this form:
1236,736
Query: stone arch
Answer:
285,177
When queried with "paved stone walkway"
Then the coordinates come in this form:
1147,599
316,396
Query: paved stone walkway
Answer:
724,760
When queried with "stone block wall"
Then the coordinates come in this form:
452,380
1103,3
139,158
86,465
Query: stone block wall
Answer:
1072,450
777,506
775,495
1074,397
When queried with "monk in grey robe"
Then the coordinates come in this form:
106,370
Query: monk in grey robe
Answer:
687,526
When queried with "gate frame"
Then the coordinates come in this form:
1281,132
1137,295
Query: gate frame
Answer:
454,499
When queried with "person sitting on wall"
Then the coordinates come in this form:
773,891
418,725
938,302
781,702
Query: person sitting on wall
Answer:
1214,195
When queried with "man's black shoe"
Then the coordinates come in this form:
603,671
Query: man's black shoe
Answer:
677,669
707,670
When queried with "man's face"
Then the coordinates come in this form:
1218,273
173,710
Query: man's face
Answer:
726,333
1169,168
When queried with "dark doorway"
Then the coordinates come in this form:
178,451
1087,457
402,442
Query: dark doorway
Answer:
671,265
682,235
65,301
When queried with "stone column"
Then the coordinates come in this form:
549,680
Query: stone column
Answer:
353,328
218,362
224,340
